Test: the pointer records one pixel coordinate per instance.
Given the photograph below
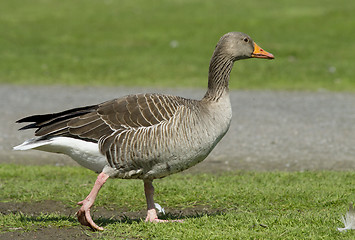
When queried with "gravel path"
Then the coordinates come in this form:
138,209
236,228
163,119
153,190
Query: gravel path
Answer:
293,131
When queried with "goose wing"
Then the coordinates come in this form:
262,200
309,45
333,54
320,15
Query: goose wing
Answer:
94,122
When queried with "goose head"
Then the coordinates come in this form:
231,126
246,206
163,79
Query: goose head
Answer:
238,45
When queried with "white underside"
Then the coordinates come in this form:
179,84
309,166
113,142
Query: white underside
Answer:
85,153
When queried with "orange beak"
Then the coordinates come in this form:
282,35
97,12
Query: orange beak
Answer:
261,53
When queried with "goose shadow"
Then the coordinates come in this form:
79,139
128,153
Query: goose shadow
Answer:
171,214
126,218
54,211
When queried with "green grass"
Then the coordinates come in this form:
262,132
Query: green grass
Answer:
92,42
252,205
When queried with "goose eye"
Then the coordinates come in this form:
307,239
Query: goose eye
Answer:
246,40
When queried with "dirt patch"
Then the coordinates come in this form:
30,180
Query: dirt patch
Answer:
101,215
111,212
47,233
36,208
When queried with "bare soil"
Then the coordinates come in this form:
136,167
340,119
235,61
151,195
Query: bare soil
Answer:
101,216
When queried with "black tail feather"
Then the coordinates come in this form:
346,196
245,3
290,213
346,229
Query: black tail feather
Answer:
29,126
39,121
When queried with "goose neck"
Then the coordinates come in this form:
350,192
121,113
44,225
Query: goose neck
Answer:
218,77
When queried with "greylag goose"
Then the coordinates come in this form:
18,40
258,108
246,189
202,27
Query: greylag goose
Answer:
145,136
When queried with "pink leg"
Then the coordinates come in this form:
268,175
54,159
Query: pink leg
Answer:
149,195
83,214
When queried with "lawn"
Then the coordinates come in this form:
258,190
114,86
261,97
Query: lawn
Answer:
169,43
236,205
